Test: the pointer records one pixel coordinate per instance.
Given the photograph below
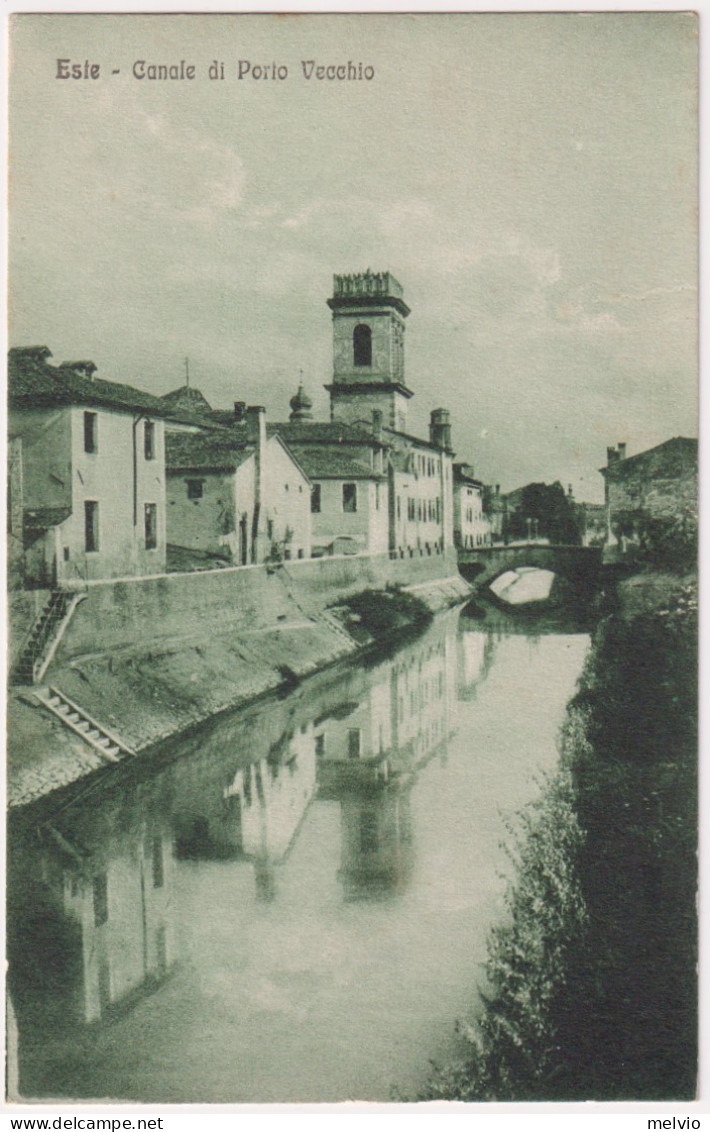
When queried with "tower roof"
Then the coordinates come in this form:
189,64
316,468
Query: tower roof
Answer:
368,288
301,406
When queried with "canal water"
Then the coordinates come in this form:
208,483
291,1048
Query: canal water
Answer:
291,904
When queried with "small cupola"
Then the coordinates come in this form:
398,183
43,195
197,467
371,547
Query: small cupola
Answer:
301,406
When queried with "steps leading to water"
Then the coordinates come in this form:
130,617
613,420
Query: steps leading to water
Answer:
108,744
44,638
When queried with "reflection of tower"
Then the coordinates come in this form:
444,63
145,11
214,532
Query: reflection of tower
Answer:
368,349
376,841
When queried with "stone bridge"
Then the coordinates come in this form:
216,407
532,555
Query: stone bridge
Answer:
579,565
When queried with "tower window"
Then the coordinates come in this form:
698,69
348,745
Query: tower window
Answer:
362,345
349,497
315,499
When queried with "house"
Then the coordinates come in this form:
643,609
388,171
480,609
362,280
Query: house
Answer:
238,494
658,486
494,511
88,461
347,469
471,528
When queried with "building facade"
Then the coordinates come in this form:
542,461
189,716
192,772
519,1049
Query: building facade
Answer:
240,495
658,485
91,472
471,528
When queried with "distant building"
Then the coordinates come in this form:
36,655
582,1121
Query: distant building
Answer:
592,520
494,511
471,526
239,494
658,484
87,458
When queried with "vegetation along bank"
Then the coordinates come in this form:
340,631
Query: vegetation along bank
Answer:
591,986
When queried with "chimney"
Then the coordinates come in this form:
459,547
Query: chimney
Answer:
497,489
240,411
84,369
611,456
256,435
622,451
440,428
377,424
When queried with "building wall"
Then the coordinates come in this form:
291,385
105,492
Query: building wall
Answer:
353,407
58,473
426,524
367,526
46,455
286,502
470,526
387,332
207,523
107,477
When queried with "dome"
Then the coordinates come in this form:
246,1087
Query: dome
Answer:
301,406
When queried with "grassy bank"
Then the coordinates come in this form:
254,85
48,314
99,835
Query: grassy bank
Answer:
591,986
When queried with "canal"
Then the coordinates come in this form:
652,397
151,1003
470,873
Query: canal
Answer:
291,904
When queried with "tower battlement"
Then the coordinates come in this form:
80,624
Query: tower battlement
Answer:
379,283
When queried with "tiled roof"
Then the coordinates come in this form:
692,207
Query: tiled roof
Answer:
332,463
306,432
186,397
33,383
202,452
677,446
37,520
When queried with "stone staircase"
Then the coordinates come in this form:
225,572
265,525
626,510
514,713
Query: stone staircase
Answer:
105,742
44,637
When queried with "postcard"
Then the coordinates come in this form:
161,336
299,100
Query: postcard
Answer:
352,558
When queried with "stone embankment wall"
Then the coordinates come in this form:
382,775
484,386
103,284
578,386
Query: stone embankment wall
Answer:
149,657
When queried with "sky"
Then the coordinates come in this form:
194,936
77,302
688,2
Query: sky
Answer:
530,179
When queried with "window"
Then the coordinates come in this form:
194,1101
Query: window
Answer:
369,839
91,526
354,743
149,440
399,507
362,345
195,489
151,526
349,497
315,499
320,746
157,862
100,899
91,432
377,497
269,528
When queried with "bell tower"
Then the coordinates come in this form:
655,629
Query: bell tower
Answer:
368,349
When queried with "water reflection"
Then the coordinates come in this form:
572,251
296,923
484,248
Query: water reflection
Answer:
168,879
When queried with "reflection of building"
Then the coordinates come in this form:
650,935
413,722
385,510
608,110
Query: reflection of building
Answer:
474,656
370,750
104,914
376,840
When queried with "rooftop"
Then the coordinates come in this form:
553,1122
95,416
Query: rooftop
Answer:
34,383
676,446
204,452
